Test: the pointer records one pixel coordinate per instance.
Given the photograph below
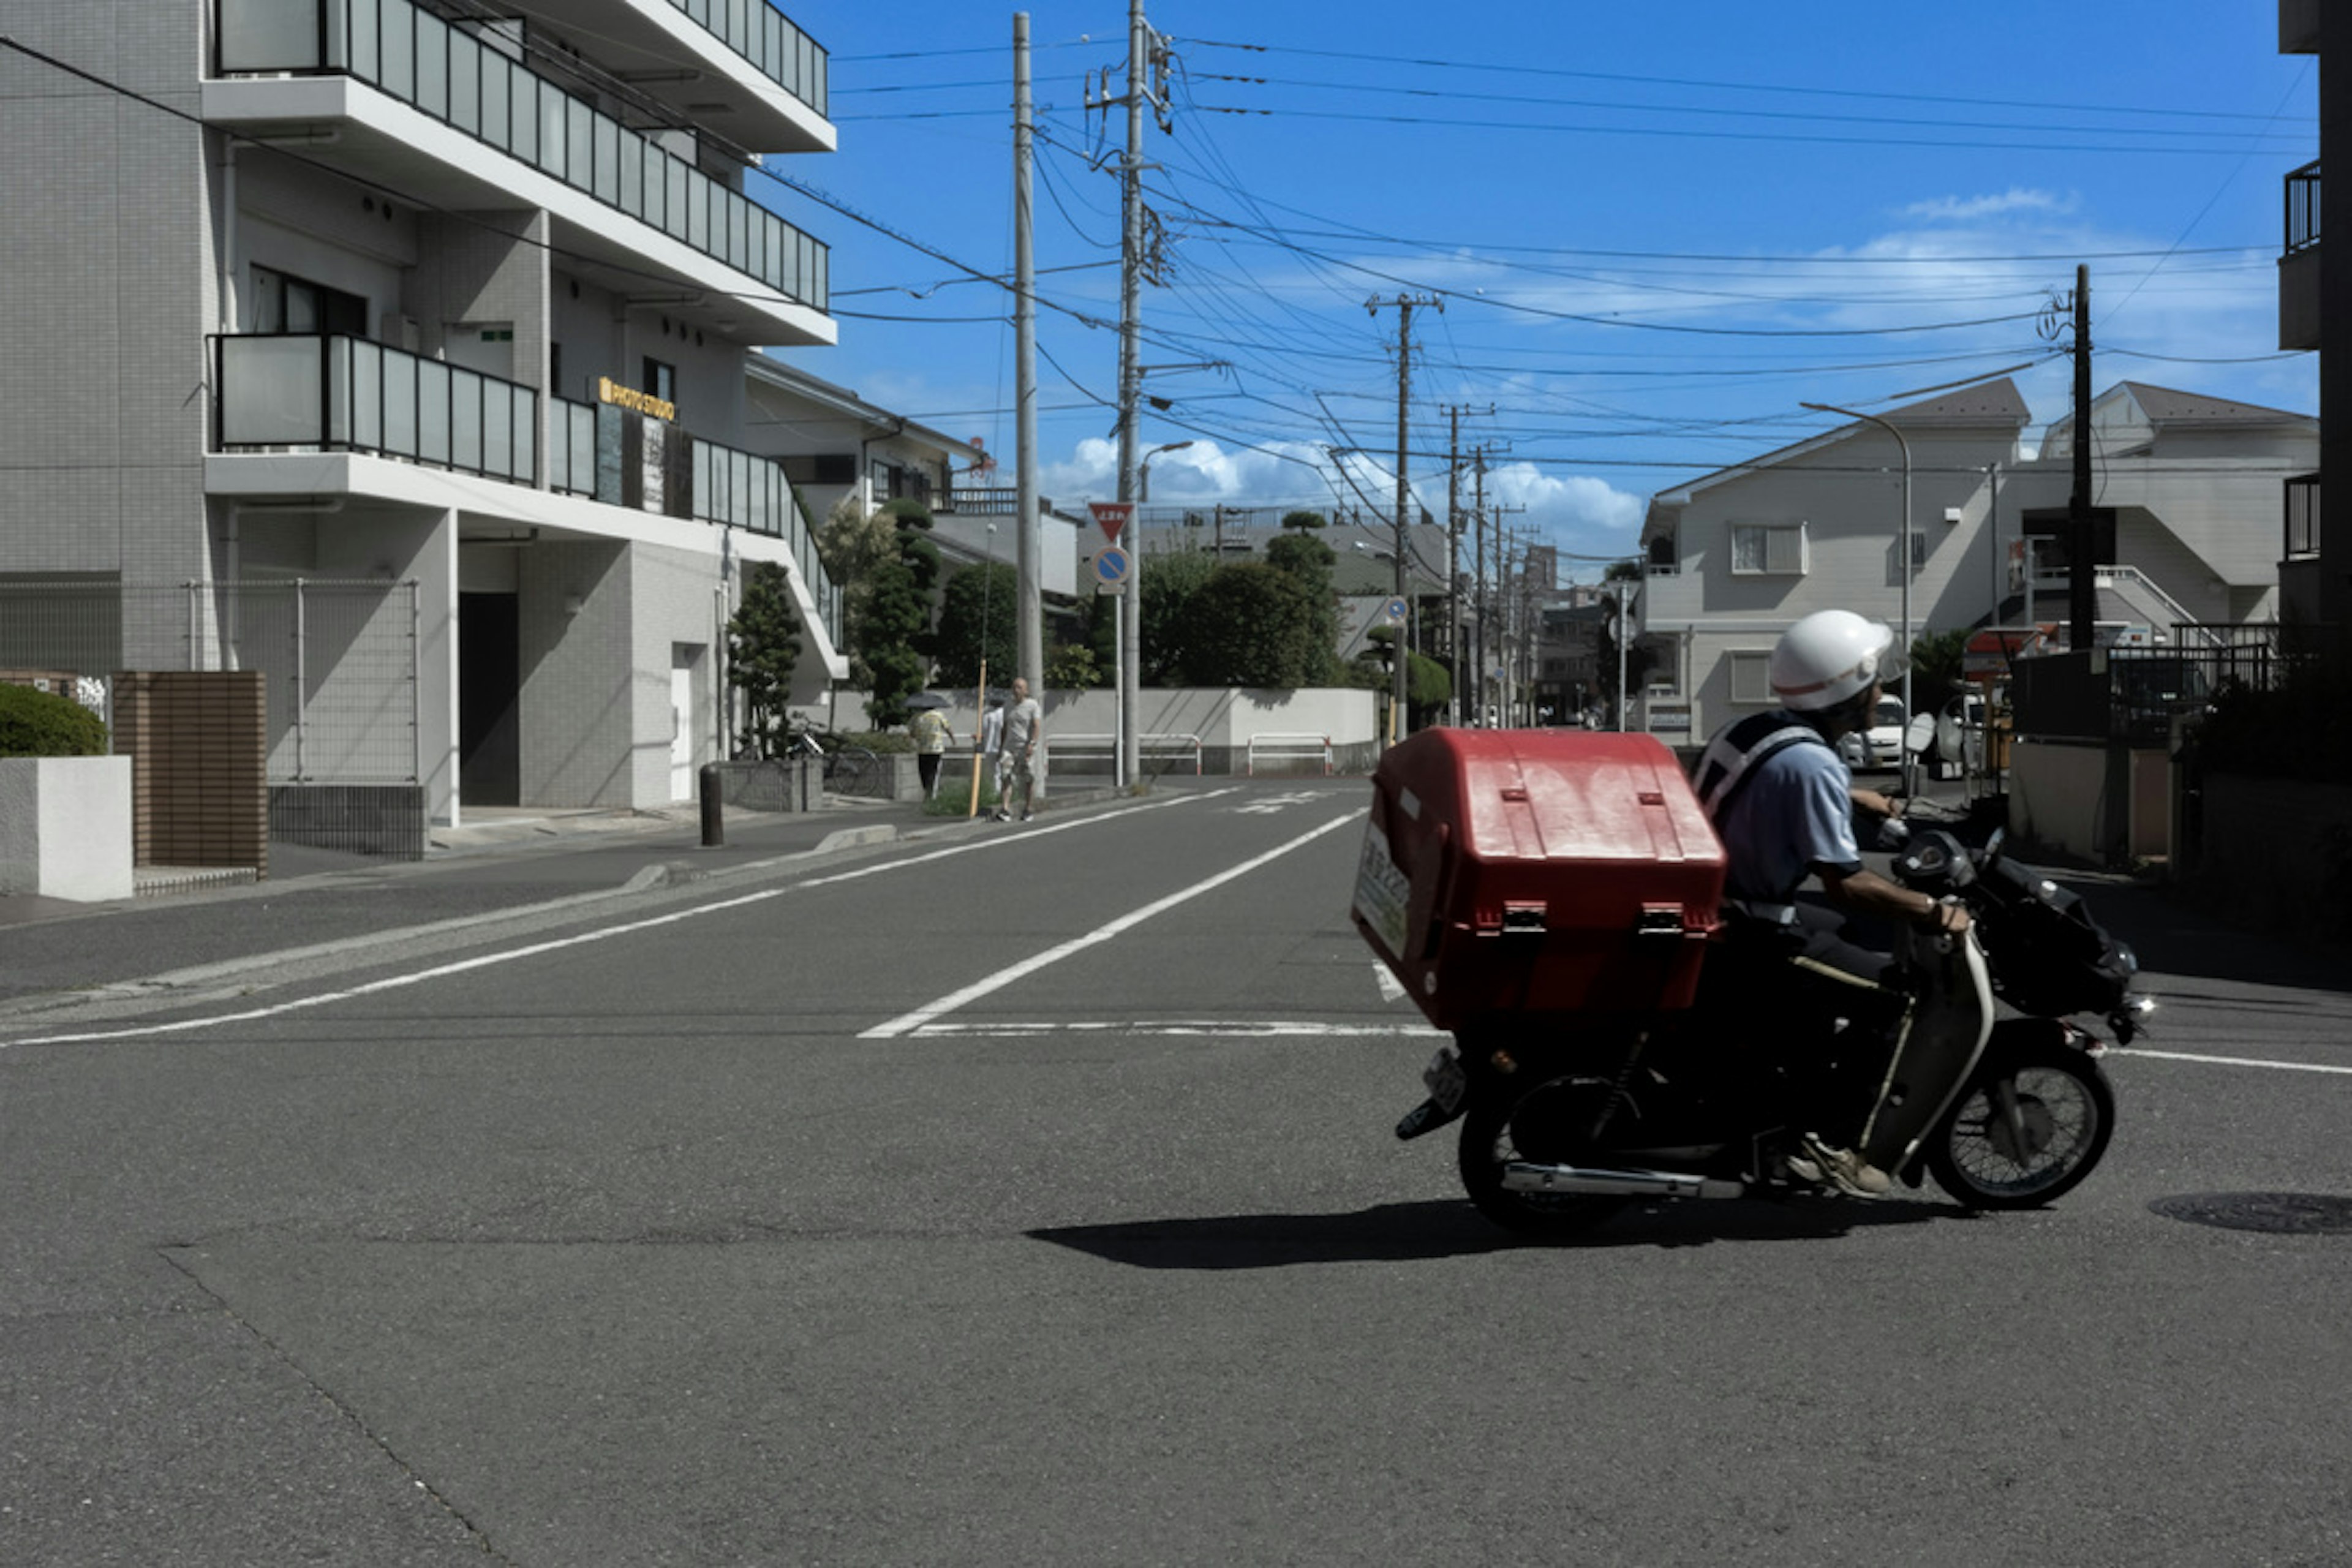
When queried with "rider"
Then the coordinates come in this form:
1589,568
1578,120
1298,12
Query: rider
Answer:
1782,801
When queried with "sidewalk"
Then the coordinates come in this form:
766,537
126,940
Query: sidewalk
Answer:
499,860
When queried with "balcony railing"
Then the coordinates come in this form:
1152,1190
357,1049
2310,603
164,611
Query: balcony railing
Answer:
347,394
586,454
760,34
472,85
2303,208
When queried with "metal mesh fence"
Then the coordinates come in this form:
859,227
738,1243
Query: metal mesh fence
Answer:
339,657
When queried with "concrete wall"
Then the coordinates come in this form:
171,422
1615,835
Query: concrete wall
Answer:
2277,855
65,828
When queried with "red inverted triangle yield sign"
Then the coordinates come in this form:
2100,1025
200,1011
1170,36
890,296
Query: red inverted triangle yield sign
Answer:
1112,515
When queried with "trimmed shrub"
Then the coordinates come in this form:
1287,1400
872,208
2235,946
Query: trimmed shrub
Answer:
35,724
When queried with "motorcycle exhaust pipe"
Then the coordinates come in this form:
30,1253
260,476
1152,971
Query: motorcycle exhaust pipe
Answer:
1520,1176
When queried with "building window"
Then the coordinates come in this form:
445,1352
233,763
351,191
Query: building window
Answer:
1768,548
660,381
1918,558
282,303
1750,681
1662,561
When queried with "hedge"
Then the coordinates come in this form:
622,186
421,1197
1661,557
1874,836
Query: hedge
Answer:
34,724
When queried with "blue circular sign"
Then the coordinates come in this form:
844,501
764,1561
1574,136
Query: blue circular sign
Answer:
1111,565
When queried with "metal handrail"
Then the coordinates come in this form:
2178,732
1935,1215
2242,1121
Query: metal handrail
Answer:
1300,745
1167,741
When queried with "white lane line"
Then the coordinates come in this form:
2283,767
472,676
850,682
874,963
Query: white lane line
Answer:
1225,1028
579,938
908,1023
2227,1061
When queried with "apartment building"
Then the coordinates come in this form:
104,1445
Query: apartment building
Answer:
2316,588
397,348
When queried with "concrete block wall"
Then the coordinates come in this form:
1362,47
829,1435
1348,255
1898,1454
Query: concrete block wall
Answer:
199,781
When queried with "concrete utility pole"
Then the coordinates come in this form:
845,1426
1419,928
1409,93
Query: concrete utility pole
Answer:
1478,583
2081,594
1029,605
1401,659
1130,387
1452,542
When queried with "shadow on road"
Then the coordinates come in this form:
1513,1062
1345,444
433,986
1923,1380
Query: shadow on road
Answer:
1409,1233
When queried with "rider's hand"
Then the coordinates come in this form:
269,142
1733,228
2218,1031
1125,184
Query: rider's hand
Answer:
1945,919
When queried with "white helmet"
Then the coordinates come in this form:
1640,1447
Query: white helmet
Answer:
1829,657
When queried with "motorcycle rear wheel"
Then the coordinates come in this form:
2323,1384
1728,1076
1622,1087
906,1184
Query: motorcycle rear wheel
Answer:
2065,1114
1489,1144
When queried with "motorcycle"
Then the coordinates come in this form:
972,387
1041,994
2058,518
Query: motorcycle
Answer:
1568,1115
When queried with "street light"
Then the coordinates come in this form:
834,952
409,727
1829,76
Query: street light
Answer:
1903,558
1143,476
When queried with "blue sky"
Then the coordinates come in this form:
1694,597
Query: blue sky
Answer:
1656,229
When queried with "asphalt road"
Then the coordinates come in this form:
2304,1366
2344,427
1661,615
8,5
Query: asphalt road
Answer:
1027,1195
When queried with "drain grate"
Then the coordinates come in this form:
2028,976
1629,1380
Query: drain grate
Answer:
2284,1214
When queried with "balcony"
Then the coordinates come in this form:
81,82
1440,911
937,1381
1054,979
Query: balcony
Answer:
2299,306
2301,518
604,452
739,65
347,394
400,98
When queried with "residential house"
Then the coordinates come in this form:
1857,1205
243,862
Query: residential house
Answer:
446,305
2184,508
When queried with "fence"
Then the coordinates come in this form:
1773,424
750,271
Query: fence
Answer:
339,659
1060,747
1294,748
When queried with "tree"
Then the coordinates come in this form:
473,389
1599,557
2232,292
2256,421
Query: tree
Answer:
1936,660
1168,587
978,615
897,636
764,645
855,544
1308,561
1253,625
1303,519
1071,667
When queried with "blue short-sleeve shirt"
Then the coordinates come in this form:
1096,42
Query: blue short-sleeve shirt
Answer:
1792,818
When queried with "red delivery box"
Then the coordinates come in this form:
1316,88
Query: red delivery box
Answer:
1511,872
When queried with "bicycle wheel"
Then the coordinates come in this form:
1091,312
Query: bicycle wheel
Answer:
850,770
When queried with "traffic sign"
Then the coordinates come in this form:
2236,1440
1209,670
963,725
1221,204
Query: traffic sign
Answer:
1110,571
1111,515
1395,610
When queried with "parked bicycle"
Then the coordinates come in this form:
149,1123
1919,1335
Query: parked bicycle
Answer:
847,766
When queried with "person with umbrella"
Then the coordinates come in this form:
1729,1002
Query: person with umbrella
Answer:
929,728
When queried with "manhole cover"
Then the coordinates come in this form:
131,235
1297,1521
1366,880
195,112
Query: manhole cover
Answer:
2290,1214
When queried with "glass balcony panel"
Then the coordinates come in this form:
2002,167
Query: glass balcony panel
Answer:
698,210
674,197
433,399
553,108
497,107
365,388
400,397
270,34
396,48
630,196
497,436
608,144
271,393
522,463
364,23
337,391
465,83
579,164
432,70
466,391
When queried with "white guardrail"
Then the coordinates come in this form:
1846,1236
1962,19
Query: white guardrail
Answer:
1291,746
1145,745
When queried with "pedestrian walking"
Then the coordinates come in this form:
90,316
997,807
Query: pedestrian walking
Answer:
991,741
1025,753
931,736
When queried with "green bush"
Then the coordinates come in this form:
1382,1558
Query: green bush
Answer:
35,724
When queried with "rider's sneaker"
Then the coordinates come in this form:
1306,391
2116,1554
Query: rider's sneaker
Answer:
1843,1169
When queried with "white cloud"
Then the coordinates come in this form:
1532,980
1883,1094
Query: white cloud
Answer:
1976,209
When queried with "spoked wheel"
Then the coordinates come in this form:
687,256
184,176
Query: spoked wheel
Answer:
1544,1126
2026,1132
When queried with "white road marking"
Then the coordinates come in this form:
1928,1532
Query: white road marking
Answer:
1392,988
908,1023
397,981
1266,806
2227,1061
1217,1028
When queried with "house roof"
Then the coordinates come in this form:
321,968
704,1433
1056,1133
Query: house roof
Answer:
1993,403
840,400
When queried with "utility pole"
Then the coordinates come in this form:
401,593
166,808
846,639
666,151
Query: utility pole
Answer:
1456,643
1029,609
1478,583
1405,305
2082,597
1141,46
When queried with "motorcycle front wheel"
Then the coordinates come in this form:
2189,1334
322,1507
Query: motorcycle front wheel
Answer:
2026,1131
1538,1126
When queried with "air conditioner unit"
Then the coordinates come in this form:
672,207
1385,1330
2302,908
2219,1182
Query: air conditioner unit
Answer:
1951,514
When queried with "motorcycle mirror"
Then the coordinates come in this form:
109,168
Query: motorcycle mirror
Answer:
1919,735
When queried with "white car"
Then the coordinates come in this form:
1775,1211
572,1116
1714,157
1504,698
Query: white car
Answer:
1881,745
